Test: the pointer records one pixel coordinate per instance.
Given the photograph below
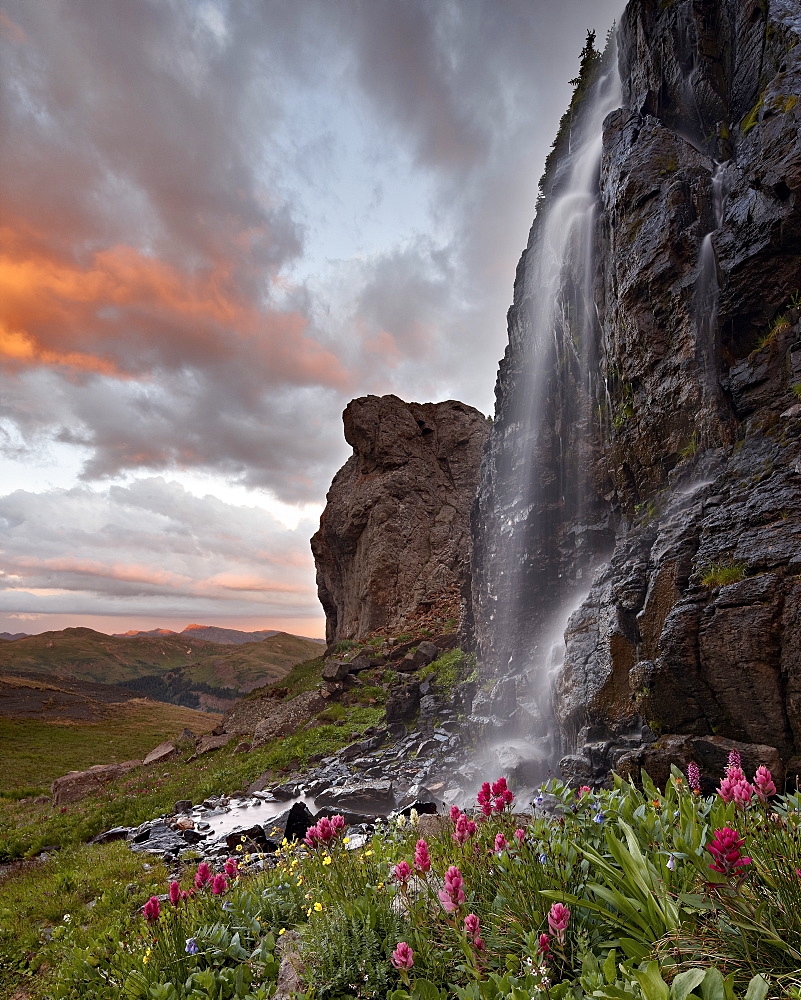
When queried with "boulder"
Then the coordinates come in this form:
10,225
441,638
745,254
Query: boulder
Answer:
76,785
208,743
336,670
365,797
162,752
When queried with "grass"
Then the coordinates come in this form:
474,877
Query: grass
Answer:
722,574
88,884
34,753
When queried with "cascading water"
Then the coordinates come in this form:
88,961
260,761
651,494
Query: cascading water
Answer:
707,287
539,538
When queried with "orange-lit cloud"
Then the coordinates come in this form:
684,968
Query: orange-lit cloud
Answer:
10,29
125,312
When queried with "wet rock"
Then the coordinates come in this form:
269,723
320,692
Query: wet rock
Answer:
251,838
76,785
295,822
182,806
376,796
403,701
109,836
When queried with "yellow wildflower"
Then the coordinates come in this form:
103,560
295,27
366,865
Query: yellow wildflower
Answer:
282,931
327,859
318,907
346,840
367,854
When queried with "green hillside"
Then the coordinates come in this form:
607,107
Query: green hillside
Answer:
174,668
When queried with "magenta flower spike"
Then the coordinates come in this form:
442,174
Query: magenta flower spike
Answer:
764,785
726,853
402,957
175,893
558,919
422,859
219,884
402,872
203,875
152,909
452,895
500,842
694,776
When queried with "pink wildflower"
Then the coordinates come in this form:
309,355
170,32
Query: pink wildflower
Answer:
544,946
152,909
203,875
462,832
735,762
456,812
725,850
472,926
743,791
500,842
584,790
231,868
422,860
219,884
484,799
558,919
402,956
764,784
520,835
694,776
175,893
337,823
452,895
402,872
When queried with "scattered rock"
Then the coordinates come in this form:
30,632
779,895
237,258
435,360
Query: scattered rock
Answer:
287,717
77,785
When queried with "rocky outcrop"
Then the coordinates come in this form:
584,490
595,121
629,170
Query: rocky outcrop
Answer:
692,450
395,533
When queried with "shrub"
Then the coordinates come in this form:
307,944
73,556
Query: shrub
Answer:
722,574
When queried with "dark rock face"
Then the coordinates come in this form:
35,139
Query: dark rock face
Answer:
692,627
395,533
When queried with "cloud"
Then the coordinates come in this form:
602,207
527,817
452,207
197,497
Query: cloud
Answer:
237,560
222,221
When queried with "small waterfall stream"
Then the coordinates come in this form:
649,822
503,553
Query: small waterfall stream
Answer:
707,287
547,430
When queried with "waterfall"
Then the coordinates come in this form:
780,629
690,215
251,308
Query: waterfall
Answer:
538,544
707,288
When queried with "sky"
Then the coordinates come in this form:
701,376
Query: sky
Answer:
221,220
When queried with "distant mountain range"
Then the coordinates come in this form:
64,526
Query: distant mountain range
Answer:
212,633
173,667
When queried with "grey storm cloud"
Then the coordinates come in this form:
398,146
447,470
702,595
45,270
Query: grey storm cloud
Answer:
167,166
91,548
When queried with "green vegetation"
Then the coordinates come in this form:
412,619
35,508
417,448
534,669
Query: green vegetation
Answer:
628,893
752,117
722,574
590,61
450,669
796,390
34,753
690,450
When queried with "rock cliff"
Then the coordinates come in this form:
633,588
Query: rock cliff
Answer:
667,463
394,537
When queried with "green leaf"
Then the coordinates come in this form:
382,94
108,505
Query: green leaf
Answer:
757,988
685,983
712,987
651,982
610,967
